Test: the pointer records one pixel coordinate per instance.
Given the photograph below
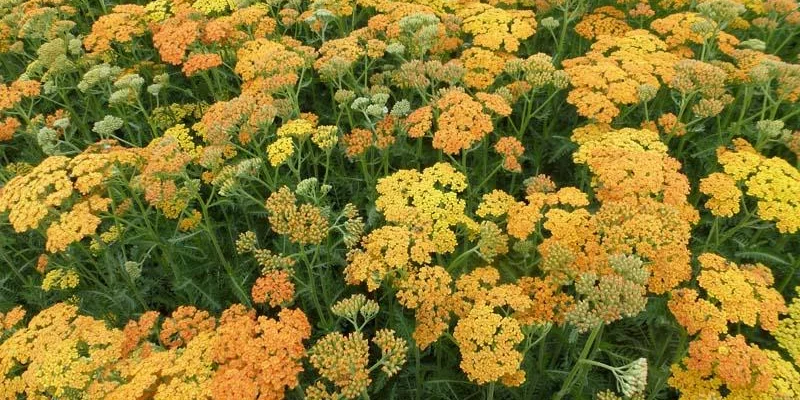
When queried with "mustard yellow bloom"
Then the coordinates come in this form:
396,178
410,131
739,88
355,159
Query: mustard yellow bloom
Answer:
280,150
488,342
60,279
773,182
724,195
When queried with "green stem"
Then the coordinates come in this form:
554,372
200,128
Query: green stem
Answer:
240,293
313,287
578,367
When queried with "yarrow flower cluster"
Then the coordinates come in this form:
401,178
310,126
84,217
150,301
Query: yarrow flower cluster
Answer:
772,182
496,28
343,360
426,201
488,342
606,298
461,122
61,352
304,224
43,196
519,189
788,331
733,294
636,181
610,74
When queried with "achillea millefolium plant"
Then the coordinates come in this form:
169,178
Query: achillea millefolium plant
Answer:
355,199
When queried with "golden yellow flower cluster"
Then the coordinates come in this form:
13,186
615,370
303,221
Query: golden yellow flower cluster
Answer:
696,314
384,253
773,182
303,225
63,354
602,21
183,135
57,354
743,293
724,196
427,292
60,279
214,6
496,28
482,66
644,208
521,217
426,202
42,195
613,72
283,148
461,122
788,330
280,150
488,342
481,287
273,64
26,202
717,361
204,92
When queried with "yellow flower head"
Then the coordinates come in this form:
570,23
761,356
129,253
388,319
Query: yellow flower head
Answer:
744,293
497,28
612,72
296,128
280,150
185,140
724,195
214,6
488,342
788,330
427,291
426,201
773,182
60,279
304,224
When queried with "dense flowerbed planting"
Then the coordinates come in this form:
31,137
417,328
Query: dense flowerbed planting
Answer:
444,199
